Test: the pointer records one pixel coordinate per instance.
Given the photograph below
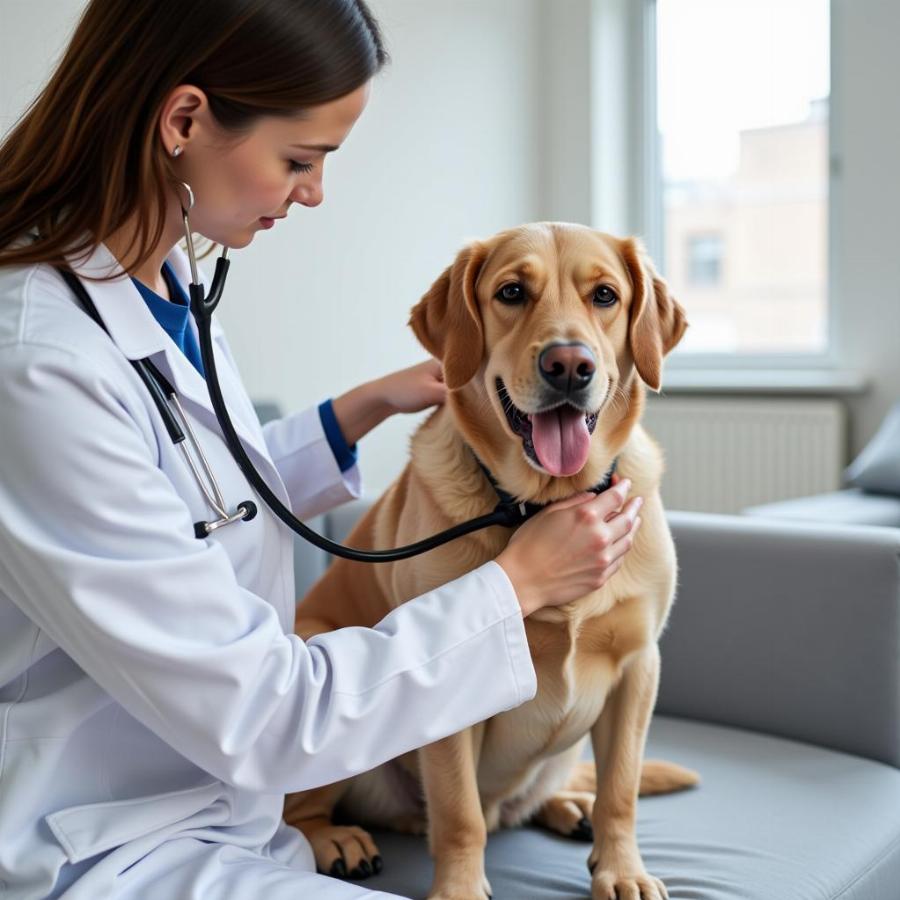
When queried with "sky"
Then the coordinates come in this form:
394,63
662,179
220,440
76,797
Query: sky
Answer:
727,65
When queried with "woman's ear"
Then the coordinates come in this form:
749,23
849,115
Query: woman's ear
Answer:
184,106
657,320
447,320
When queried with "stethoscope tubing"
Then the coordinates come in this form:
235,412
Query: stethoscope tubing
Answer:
202,309
506,514
179,429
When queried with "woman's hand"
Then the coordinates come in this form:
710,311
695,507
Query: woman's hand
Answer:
407,390
571,548
414,389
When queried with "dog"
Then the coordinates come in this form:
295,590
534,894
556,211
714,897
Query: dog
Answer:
549,335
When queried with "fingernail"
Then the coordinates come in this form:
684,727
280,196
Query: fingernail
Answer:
639,502
637,523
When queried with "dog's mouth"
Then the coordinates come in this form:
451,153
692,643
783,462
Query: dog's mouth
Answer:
558,439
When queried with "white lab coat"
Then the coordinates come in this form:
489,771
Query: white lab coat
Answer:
154,704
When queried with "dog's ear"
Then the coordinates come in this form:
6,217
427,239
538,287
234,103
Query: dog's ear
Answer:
657,321
447,321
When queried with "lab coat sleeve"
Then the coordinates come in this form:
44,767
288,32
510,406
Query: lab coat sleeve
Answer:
304,459
98,550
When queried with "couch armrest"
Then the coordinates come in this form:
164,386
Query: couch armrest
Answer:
787,628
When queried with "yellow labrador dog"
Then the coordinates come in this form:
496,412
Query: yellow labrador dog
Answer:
548,334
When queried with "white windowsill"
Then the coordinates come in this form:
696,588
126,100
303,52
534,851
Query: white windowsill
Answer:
809,382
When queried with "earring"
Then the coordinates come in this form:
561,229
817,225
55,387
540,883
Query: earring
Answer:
176,150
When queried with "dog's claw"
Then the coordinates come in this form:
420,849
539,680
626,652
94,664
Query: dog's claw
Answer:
338,869
583,831
377,864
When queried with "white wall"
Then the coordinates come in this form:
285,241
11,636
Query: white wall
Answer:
33,34
447,150
867,236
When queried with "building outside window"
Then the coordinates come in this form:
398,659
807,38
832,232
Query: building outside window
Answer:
704,256
742,114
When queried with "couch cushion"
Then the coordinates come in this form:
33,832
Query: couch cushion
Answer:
849,507
877,468
772,820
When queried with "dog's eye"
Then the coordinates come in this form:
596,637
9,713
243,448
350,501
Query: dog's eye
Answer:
604,296
511,293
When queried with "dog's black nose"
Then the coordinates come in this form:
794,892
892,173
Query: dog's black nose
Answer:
567,367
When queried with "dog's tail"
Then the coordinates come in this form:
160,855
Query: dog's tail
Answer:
657,777
661,777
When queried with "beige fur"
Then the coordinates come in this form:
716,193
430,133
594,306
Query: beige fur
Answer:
596,659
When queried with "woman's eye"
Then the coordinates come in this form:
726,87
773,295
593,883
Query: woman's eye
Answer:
511,293
604,296
300,166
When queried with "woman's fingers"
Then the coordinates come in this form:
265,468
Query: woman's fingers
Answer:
606,503
613,499
622,523
611,570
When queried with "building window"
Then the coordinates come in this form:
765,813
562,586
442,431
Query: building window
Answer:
704,255
742,116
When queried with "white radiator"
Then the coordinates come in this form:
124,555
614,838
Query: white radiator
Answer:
723,455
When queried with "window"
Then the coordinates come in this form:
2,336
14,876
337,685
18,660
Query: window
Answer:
742,117
704,255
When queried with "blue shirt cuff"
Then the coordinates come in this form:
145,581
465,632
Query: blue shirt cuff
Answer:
344,455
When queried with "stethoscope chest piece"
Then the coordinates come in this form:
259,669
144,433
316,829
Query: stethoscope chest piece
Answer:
246,511
204,475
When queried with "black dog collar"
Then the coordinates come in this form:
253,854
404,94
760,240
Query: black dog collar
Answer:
520,511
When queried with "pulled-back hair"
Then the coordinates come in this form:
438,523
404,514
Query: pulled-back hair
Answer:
86,155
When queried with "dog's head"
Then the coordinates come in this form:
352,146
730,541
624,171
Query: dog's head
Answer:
545,333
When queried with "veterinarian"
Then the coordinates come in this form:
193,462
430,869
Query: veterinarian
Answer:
154,703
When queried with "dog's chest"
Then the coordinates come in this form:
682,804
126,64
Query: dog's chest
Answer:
577,664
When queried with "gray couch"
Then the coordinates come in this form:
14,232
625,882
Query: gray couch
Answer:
850,506
781,686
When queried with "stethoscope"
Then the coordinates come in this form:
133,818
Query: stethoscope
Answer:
508,511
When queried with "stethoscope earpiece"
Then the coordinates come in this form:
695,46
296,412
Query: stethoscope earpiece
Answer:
201,306
185,208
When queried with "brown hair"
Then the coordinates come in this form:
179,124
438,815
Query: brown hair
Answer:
86,155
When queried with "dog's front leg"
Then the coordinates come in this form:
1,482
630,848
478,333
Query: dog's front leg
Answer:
456,829
618,739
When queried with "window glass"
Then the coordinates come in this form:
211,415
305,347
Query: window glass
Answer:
743,89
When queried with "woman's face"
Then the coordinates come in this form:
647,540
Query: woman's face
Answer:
242,185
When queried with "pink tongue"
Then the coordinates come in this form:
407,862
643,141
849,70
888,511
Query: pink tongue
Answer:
561,440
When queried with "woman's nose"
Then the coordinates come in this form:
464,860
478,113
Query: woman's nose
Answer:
307,194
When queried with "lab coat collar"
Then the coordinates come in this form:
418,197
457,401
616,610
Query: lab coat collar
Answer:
138,335
130,323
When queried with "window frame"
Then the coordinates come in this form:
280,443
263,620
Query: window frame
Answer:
646,202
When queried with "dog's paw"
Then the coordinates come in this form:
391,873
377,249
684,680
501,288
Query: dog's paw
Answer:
345,851
568,813
607,884
458,891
